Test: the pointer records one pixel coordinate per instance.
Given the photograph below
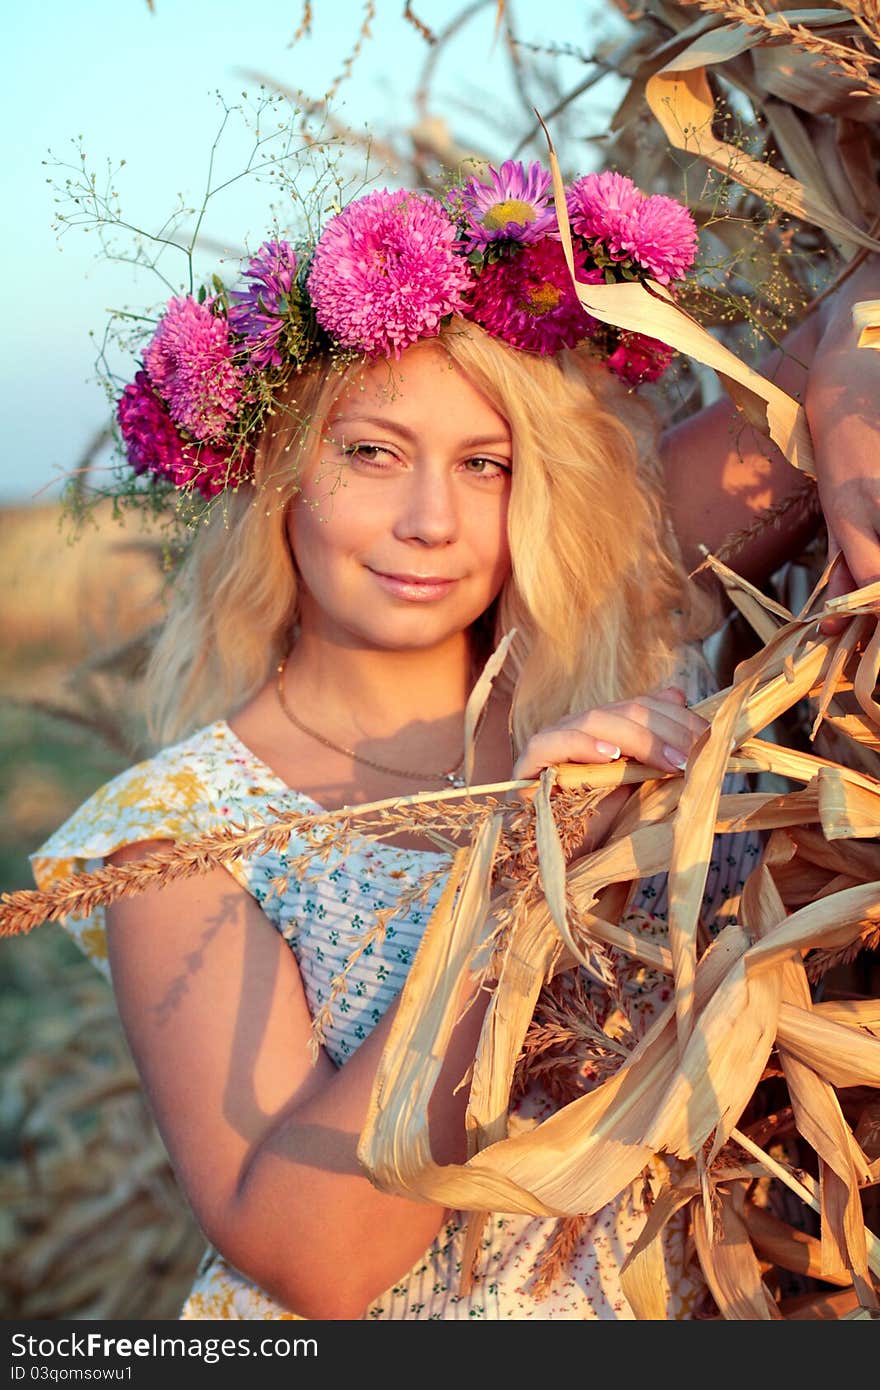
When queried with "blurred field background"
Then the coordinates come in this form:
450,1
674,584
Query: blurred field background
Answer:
91,1223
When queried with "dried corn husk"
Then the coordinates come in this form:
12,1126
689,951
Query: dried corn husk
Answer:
684,1087
866,318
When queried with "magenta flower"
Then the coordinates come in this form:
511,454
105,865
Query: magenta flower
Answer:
656,232
663,238
516,205
153,444
638,358
189,362
269,305
529,301
601,207
386,273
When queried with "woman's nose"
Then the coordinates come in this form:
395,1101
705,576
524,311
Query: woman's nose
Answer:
429,511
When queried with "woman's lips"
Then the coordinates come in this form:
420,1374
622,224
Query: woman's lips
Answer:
415,588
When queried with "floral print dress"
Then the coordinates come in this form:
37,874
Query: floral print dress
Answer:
211,778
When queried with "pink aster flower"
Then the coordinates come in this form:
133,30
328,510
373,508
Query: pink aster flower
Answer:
262,311
528,299
386,272
189,362
601,207
154,445
516,205
656,232
638,358
662,238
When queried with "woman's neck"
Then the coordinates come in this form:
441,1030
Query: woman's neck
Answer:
387,688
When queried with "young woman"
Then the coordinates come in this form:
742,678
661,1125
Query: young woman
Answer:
404,507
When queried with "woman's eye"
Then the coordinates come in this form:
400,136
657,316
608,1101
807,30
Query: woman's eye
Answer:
367,453
487,468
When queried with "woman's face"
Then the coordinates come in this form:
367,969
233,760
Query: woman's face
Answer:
400,528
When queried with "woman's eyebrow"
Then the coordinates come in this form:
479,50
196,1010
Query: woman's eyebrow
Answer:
382,423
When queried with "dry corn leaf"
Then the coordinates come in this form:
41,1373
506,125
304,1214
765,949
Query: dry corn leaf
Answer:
856,728
866,319
413,1056
478,697
695,823
855,152
843,1231
860,1013
788,1247
754,605
680,98
527,963
845,808
801,155
812,1190
820,1037
809,82
730,1265
827,138
820,1120
842,856
849,640
722,1061
865,681
643,1273
551,861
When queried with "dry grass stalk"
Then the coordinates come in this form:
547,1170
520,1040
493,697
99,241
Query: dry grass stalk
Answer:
848,58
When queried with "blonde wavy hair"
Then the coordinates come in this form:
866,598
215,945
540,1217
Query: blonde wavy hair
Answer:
597,592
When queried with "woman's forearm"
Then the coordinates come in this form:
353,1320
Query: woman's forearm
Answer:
843,409
308,1225
722,473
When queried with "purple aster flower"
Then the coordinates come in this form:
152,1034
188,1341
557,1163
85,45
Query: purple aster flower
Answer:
386,272
662,238
638,358
529,301
154,445
516,205
269,305
602,207
189,362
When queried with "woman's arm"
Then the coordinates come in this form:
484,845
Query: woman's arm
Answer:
843,408
264,1142
721,472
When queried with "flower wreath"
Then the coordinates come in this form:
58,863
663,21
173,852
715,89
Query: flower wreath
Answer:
386,271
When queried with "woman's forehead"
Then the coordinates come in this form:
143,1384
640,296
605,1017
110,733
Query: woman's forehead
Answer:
424,384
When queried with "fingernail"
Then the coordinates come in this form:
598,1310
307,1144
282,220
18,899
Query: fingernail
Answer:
672,755
607,750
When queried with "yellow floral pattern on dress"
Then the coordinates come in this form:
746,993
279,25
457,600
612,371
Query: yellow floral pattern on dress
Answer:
210,779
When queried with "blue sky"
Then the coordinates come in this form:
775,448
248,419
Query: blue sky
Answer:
142,87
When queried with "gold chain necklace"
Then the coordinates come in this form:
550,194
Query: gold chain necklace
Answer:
454,775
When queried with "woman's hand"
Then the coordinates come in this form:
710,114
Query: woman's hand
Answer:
657,729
